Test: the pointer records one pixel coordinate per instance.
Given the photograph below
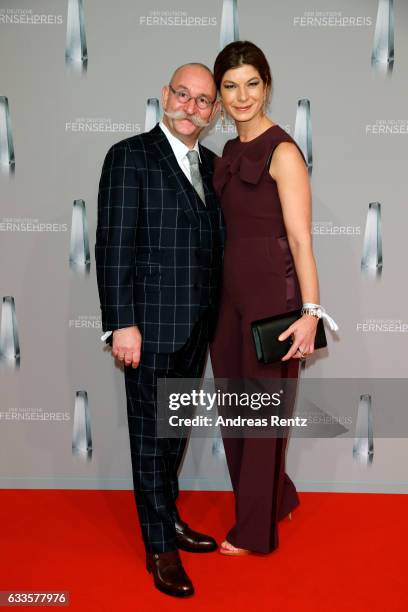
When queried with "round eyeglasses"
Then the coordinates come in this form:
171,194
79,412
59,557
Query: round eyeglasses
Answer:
183,97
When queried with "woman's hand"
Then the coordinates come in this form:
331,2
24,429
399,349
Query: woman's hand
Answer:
303,332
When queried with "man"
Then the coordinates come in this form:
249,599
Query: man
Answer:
158,258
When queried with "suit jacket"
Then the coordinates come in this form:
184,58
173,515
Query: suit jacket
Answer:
150,260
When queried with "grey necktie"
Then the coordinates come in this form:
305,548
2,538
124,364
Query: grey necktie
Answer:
196,179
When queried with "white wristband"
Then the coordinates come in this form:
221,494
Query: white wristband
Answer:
105,336
324,315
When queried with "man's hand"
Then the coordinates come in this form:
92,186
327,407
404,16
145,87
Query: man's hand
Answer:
126,345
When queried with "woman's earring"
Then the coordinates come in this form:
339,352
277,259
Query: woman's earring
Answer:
264,106
222,117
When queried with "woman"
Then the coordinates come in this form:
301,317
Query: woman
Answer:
269,268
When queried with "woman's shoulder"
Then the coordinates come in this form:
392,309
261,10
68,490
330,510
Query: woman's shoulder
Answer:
275,134
229,146
280,136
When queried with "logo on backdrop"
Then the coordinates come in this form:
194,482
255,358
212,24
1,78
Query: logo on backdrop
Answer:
330,19
175,18
101,125
387,127
9,342
76,51
86,322
33,414
79,255
226,127
30,224
7,160
21,16
382,326
328,228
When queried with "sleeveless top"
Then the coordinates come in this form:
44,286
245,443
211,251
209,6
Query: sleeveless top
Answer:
248,194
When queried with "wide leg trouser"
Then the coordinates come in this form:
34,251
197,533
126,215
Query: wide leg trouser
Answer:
155,461
264,493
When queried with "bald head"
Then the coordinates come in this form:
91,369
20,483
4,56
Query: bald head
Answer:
197,69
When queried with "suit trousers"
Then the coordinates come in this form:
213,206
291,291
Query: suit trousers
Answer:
155,461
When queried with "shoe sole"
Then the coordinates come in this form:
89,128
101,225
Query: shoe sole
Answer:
231,553
173,594
199,550
166,592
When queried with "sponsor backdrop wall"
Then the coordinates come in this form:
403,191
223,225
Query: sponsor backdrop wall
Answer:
75,77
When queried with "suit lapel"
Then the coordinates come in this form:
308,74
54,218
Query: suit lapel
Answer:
210,197
174,173
206,175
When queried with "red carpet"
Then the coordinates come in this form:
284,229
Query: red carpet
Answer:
343,552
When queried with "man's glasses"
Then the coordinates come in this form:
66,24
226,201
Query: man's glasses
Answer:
183,97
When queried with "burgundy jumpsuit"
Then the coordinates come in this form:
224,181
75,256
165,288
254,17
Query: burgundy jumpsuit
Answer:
259,280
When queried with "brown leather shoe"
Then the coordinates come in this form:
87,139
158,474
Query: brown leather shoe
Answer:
193,541
168,573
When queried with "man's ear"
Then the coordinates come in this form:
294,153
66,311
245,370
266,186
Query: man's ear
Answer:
165,95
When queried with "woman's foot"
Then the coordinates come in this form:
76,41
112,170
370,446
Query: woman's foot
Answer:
227,548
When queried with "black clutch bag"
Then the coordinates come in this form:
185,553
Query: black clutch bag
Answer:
266,331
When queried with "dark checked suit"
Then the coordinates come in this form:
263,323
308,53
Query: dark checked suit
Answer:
158,261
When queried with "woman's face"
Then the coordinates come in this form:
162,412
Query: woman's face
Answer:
243,92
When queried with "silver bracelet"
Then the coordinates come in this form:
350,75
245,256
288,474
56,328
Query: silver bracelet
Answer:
314,312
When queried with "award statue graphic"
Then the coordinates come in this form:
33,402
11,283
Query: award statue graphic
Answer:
229,30
363,447
372,259
81,432
76,51
382,56
7,160
9,342
79,256
152,113
303,131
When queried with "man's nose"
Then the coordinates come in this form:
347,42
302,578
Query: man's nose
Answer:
190,106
